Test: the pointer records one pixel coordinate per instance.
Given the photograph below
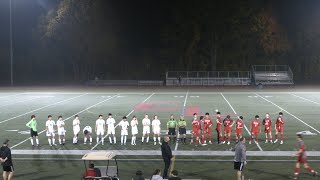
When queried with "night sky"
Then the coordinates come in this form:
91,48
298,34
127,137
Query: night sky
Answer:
137,28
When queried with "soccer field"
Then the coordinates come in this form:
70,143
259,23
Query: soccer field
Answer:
266,161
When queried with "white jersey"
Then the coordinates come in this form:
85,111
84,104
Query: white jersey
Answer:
146,122
49,125
88,128
100,124
124,125
76,126
134,127
110,122
60,125
156,124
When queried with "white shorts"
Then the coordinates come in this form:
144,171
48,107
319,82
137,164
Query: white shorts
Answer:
146,130
111,131
76,130
61,132
100,132
134,130
124,132
156,131
49,134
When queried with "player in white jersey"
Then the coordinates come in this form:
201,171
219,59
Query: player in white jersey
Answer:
100,128
110,125
76,129
156,129
87,131
50,130
134,130
146,128
61,131
124,130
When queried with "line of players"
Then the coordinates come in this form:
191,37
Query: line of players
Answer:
202,129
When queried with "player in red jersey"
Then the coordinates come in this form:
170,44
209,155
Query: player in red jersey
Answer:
219,128
207,130
239,127
279,127
255,129
267,127
196,125
302,158
228,123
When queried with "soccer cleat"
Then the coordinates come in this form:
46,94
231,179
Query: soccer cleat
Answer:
121,144
256,142
55,144
102,144
84,143
275,141
228,143
160,143
205,142
210,142
90,143
266,141
271,141
249,142
315,173
155,143
50,144
223,142
281,142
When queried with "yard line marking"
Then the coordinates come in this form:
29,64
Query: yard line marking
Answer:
289,113
305,99
70,117
43,107
118,123
238,117
19,102
12,95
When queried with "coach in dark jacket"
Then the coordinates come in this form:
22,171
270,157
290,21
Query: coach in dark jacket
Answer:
6,161
166,155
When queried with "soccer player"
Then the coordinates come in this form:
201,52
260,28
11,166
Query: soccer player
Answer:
156,129
146,128
32,124
134,130
195,117
76,129
110,125
87,131
255,129
279,127
100,128
196,125
228,123
239,127
61,131
302,158
124,130
267,127
207,130
182,124
171,127
219,128
50,130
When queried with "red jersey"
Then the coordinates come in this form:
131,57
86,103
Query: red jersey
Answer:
302,147
207,123
239,124
280,121
196,124
90,172
255,125
227,123
267,123
219,123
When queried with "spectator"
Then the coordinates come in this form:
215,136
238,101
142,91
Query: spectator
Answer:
174,175
166,155
138,176
240,158
97,170
6,161
156,175
90,172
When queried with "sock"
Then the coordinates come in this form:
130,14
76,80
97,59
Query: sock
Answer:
266,138
197,140
142,139
296,171
91,140
250,138
134,140
121,139
282,137
37,141
210,137
31,141
218,138
228,138
147,139
114,139
49,140
102,140
270,138
73,140
59,141
154,139
110,140
184,140
97,140
181,139
53,141
310,169
76,139
125,140
64,140
276,136
159,139
85,140
237,138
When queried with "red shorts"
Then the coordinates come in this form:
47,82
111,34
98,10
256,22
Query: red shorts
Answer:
196,132
227,131
238,132
207,131
254,132
267,130
302,160
279,129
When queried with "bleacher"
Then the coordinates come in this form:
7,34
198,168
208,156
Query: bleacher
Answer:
272,75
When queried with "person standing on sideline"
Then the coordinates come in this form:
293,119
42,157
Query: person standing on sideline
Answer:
171,127
166,155
182,130
100,128
76,129
6,161
240,158
124,130
134,130
111,129
50,131
61,130
87,131
32,124
146,128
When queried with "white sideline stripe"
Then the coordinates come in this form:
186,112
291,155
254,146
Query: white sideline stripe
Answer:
69,118
118,123
289,113
16,102
182,113
238,117
158,153
42,108
11,95
305,99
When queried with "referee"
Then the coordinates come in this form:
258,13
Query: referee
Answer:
240,158
32,124
6,161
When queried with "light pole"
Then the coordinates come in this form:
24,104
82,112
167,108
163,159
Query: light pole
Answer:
11,50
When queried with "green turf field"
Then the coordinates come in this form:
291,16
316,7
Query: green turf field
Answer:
300,113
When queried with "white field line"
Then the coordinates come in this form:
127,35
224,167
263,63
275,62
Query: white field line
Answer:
16,102
289,113
305,99
118,124
182,113
238,117
41,108
70,117
11,95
